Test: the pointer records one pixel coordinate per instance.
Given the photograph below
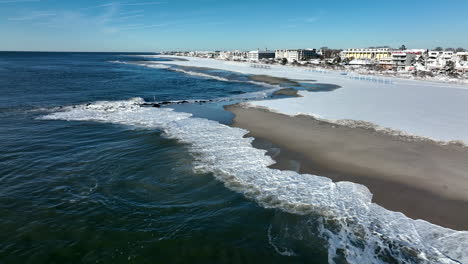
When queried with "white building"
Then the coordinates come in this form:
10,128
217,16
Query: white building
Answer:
257,55
461,61
406,59
438,59
366,54
403,60
203,54
296,54
362,62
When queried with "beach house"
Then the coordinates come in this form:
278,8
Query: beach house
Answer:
257,55
296,54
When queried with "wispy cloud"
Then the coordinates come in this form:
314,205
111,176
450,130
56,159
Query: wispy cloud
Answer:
305,20
311,19
123,4
108,18
142,26
32,16
126,13
130,17
17,1
143,3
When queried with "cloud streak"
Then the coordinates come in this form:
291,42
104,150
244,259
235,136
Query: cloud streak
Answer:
134,27
123,4
32,16
129,17
143,3
17,1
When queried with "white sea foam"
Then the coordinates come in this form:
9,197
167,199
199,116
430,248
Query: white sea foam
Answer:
159,65
363,232
247,96
146,64
204,75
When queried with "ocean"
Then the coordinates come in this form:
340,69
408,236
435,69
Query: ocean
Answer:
112,158
103,192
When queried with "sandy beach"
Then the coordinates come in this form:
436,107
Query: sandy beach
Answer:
421,179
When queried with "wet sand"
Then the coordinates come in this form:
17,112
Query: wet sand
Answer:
422,179
256,78
273,80
288,92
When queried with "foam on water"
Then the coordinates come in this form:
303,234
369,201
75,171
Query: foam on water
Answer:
355,228
159,65
147,64
204,75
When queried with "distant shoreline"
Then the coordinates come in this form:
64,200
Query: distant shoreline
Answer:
384,74
67,51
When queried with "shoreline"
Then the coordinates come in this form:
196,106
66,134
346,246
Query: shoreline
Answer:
418,178
419,108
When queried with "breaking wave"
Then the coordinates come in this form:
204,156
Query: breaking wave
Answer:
204,75
355,229
146,64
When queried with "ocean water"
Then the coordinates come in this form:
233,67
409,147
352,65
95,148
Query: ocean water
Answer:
97,192
88,175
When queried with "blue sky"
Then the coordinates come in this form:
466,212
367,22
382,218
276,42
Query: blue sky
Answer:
146,25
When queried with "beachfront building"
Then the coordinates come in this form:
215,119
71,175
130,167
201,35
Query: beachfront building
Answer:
438,59
386,63
362,62
403,60
202,54
366,54
257,55
461,63
406,59
296,54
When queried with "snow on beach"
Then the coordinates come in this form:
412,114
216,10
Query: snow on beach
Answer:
428,109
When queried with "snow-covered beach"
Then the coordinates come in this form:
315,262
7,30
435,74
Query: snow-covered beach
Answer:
391,135
421,108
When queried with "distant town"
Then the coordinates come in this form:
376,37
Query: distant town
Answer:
423,63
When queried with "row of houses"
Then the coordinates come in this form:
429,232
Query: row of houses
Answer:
290,55
408,59
385,58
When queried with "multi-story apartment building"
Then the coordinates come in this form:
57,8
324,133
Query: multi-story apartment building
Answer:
438,59
296,54
367,54
257,55
402,60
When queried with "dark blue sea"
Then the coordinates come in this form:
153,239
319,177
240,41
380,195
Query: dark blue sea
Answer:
80,190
